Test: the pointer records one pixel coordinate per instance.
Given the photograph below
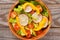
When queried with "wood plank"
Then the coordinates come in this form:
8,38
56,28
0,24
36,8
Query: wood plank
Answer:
7,1
51,1
53,34
54,8
46,1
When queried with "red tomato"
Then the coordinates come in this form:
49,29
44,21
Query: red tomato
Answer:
16,27
38,32
39,7
32,12
13,14
28,34
30,26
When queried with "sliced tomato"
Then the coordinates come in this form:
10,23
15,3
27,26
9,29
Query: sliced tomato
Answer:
38,32
16,27
30,25
39,7
32,12
28,34
13,14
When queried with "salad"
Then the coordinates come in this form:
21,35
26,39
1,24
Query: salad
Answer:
29,18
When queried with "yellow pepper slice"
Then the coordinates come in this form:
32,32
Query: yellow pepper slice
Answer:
33,7
22,28
41,24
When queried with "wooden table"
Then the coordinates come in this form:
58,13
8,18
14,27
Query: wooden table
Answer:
54,32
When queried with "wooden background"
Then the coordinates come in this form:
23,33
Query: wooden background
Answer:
54,32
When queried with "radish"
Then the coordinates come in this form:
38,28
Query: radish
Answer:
36,18
28,9
23,19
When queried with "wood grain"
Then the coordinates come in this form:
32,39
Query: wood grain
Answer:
53,34
53,6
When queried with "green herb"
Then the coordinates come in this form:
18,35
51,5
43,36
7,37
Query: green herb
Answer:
26,28
45,14
35,25
21,1
18,10
33,33
30,20
11,20
20,32
35,2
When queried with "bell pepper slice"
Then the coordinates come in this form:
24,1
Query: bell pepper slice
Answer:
21,27
33,7
41,24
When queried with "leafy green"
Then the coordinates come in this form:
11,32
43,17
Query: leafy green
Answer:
18,10
20,7
20,32
21,1
45,14
30,20
35,25
11,20
33,33
35,2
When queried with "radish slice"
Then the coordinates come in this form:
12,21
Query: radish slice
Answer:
28,9
36,18
45,23
23,19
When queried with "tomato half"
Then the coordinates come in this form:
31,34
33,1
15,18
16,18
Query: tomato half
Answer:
16,27
30,25
13,14
28,34
39,7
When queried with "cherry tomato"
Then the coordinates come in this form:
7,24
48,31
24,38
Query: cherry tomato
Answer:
28,34
38,32
13,14
16,27
30,25
32,12
39,7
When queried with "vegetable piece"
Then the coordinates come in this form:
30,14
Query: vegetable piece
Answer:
29,15
33,7
38,32
13,14
11,20
26,28
36,18
23,19
28,9
32,12
18,10
42,24
46,14
30,26
35,3
21,1
30,20
28,34
16,27
21,27
20,32
20,7
33,33
39,7
35,25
